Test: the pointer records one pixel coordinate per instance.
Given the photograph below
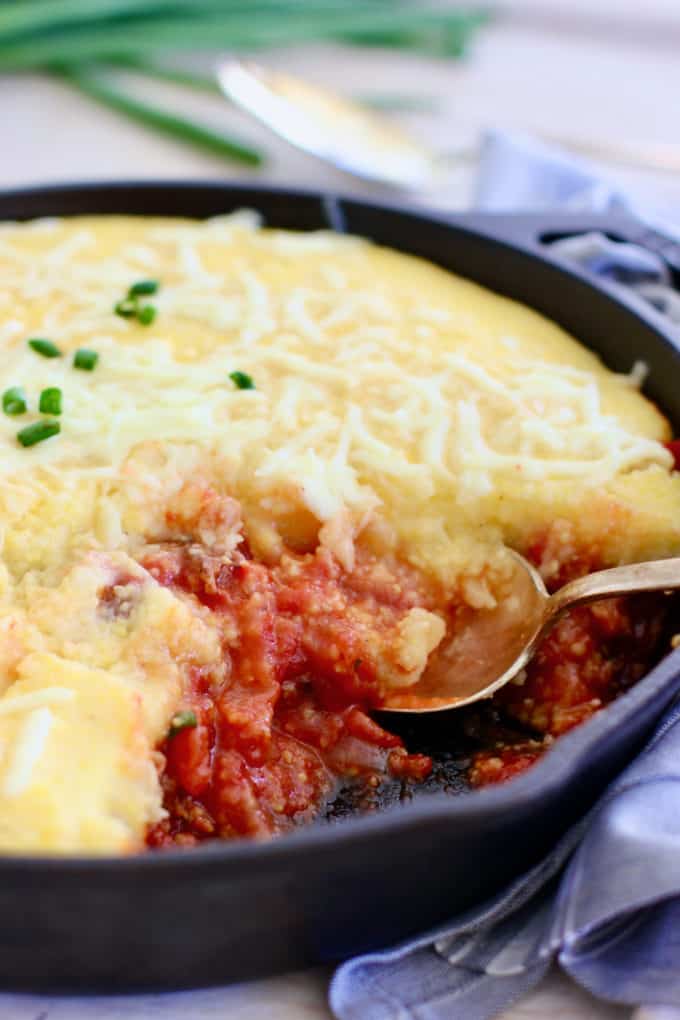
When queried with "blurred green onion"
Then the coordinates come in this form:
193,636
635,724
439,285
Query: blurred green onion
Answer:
73,38
173,75
37,33
171,124
397,102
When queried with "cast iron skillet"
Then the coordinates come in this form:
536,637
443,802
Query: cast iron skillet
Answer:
225,912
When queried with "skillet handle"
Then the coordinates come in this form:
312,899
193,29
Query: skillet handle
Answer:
534,232
662,245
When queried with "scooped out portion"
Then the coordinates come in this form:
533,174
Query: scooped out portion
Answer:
308,649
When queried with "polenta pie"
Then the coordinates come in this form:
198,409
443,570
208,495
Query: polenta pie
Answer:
249,479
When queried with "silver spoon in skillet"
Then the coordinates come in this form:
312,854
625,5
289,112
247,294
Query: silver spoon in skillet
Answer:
492,646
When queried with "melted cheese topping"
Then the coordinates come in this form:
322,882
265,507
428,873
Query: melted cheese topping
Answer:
395,404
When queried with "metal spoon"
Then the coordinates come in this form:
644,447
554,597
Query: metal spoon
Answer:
492,646
327,126
359,142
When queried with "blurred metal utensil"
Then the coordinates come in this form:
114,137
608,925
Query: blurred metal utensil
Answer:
360,142
334,129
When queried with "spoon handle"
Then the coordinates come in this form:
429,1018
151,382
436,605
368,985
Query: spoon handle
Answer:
655,575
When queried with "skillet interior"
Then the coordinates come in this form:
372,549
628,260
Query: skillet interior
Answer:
226,912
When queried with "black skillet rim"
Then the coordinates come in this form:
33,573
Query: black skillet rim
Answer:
516,232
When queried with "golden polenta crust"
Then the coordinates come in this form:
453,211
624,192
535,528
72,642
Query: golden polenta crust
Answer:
394,405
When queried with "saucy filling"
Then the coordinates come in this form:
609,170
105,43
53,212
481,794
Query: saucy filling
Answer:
593,654
308,647
273,739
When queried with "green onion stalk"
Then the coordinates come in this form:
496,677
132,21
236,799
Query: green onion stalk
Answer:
82,41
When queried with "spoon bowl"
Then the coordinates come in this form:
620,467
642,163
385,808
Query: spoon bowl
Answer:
490,647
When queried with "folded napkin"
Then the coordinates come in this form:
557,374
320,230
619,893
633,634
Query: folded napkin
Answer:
520,174
605,904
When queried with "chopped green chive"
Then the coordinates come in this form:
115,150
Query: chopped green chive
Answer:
182,721
50,401
37,432
242,381
44,347
130,307
127,309
14,401
143,288
146,314
86,360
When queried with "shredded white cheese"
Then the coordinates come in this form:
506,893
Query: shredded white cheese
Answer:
36,699
446,404
27,751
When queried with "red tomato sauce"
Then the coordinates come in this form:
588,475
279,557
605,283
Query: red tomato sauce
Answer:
673,446
305,643
592,655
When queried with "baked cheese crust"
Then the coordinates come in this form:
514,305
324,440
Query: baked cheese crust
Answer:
393,405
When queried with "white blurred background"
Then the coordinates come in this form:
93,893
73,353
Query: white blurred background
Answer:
601,70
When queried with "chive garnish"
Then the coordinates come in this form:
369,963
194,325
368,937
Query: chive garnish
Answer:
182,721
143,288
91,84
130,308
242,381
44,347
50,401
127,309
38,431
14,401
85,359
146,314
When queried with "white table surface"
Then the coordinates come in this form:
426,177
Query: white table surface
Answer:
607,69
